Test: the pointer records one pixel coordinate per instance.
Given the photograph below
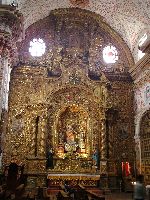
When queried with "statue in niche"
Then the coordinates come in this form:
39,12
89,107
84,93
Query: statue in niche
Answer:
70,144
72,127
53,60
96,158
49,156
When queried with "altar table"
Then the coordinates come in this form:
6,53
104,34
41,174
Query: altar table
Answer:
84,179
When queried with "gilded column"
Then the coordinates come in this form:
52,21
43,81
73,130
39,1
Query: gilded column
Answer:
103,140
33,137
41,136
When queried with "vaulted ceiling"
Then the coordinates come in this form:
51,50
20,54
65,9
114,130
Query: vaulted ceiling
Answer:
130,18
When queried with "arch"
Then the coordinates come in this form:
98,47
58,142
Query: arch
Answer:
138,119
72,129
87,26
145,145
69,110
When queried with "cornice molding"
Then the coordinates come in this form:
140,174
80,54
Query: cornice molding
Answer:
13,19
142,65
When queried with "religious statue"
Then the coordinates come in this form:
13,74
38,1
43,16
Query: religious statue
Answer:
70,144
50,159
95,158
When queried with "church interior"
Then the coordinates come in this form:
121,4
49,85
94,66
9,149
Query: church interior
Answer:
75,94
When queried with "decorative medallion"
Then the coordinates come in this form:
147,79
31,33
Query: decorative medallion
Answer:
80,3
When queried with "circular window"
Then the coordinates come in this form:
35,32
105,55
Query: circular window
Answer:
110,54
37,47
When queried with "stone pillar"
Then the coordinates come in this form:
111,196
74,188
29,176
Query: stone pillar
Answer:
137,164
10,31
5,79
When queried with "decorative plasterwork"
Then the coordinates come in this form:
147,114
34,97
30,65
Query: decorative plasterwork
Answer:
11,20
141,66
11,29
141,75
79,36
128,17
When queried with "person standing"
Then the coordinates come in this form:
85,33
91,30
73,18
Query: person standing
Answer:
139,189
49,163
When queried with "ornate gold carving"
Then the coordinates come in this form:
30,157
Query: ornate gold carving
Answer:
35,165
86,113
73,164
46,105
74,179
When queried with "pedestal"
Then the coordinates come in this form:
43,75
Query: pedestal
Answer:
36,172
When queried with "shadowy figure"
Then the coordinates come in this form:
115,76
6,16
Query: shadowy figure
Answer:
68,189
139,189
40,193
49,163
12,176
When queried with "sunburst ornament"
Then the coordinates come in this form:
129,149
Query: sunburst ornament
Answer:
80,3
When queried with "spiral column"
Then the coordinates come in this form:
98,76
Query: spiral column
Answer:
103,140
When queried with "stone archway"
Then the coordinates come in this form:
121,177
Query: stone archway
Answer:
145,145
138,119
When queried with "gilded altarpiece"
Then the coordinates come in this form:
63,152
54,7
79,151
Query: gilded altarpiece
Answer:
69,103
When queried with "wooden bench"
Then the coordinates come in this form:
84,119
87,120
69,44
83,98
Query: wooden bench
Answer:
31,195
25,195
45,193
95,196
91,194
81,193
62,195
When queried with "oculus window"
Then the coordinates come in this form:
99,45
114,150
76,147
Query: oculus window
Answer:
37,47
110,54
